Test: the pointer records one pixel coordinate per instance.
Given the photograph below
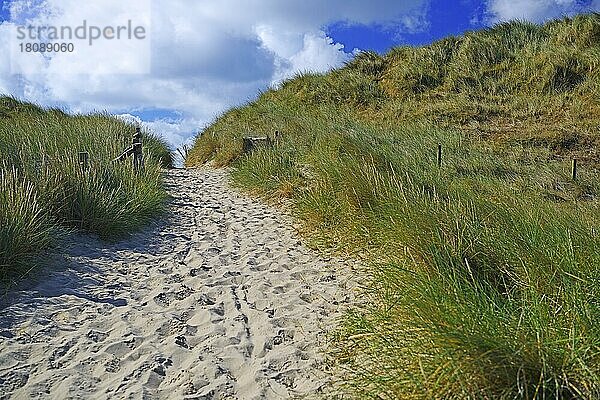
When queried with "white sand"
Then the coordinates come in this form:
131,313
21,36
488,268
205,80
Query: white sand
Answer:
219,301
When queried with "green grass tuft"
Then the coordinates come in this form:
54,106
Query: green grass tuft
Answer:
45,193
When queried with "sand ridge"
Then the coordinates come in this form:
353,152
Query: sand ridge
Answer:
218,301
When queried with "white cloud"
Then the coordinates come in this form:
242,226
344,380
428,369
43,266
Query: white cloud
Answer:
311,52
319,53
536,10
206,55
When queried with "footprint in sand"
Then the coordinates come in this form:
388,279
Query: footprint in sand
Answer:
218,301
13,380
96,336
55,359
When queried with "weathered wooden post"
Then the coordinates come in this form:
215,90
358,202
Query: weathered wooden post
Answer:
251,143
138,154
574,169
439,155
84,158
248,144
40,164
37,166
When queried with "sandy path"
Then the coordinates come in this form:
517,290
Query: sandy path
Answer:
220,301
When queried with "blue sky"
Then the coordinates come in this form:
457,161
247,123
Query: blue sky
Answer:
443,18
4,12
207,56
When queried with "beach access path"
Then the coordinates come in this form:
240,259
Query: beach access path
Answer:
218,300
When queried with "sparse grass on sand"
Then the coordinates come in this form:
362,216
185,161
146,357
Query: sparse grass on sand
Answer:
44,193
483,273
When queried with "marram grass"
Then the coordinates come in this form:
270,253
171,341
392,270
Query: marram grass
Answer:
482,275
45,193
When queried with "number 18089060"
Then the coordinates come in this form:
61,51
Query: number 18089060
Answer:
47,47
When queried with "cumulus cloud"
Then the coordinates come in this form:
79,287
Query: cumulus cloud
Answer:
536,10
205,56
311,52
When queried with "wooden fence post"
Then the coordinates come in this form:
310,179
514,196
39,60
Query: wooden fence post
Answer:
40,164
138,155
84,159
247,146
250,143
574,169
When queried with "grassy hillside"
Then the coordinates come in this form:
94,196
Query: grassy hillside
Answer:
482,278
516,82
44,193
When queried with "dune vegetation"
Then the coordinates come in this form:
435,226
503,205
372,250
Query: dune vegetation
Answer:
480,274
45,193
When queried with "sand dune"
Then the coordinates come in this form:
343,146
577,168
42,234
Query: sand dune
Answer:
218,301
